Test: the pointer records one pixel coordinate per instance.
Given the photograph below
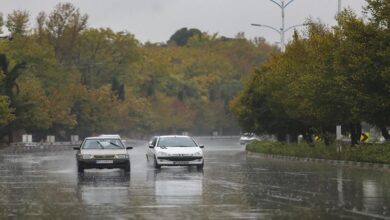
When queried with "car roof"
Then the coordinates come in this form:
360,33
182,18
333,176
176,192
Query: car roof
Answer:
102,137
110,135
163,136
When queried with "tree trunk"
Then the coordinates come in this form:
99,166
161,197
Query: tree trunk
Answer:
385,133
294,138
356,132
281,137
353,135
308,136
327,138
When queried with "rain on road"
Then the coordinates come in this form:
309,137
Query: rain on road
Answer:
233,185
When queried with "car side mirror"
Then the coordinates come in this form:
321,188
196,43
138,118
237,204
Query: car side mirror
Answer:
201,146
151,146
76,148
129,147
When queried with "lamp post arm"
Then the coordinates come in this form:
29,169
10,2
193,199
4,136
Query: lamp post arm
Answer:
288,3
267,26
294,26
277,3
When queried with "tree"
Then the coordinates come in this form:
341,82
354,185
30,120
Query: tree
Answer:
368,45
1,23
17,23
182,36
10,88
41,31
104,54
64,26
379,11
6,114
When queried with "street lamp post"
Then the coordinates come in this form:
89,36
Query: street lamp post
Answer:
339,7
282,4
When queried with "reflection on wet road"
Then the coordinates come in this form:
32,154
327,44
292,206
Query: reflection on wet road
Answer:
233,185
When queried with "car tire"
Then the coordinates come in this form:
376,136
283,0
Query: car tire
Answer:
156,165
80,169
200,167
127,167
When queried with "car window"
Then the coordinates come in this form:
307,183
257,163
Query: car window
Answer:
176,142
153,143
102,144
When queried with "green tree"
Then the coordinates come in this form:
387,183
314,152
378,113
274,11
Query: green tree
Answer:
181,36
63,27
368,45
17,23
11,88
6,114
104,54
1,23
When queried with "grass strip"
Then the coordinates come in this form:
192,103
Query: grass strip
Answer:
371,153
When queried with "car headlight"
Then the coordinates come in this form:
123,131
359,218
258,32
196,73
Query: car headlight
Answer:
87,156
121,156
198,153
162,154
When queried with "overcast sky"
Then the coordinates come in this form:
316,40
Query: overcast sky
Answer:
157,20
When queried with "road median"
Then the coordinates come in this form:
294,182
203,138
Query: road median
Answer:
365,155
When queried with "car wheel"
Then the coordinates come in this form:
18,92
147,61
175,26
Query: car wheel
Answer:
156,165
200,167
80,168
127,169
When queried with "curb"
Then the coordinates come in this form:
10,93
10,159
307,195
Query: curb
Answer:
317,160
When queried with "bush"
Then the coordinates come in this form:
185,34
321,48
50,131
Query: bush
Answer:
373,153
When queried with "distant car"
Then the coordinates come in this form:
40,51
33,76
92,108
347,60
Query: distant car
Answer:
247,138
175,151
102,152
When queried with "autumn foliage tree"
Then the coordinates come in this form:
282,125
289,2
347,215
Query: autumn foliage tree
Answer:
326,77
61,77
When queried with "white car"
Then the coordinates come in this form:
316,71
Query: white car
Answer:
102,153
247,138
175,151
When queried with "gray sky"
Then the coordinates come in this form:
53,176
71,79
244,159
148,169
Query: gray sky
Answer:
157,20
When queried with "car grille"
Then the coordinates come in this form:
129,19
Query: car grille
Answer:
104,156
181,158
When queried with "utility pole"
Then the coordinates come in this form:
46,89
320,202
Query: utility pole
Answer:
282,5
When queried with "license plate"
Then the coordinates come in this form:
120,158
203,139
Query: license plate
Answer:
104,161
181,162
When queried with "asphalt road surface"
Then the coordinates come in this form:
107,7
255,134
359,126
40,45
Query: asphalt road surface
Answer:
42,184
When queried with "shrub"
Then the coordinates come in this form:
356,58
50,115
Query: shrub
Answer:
373,153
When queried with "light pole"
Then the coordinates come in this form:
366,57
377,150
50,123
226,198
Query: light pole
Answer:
339,7
282,5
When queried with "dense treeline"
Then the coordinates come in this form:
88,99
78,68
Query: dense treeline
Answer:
58,76
327,77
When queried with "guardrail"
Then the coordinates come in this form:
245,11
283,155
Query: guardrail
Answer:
44,144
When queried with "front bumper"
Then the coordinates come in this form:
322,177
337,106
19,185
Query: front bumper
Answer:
103,164
179,160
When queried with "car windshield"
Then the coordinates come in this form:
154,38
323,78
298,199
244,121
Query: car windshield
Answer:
176,142
102,144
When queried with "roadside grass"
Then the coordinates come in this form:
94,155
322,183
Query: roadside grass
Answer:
372,153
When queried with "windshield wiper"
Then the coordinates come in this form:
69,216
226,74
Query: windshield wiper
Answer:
100,144
115,145
163,147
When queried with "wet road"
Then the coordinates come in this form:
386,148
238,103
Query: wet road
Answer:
233,185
